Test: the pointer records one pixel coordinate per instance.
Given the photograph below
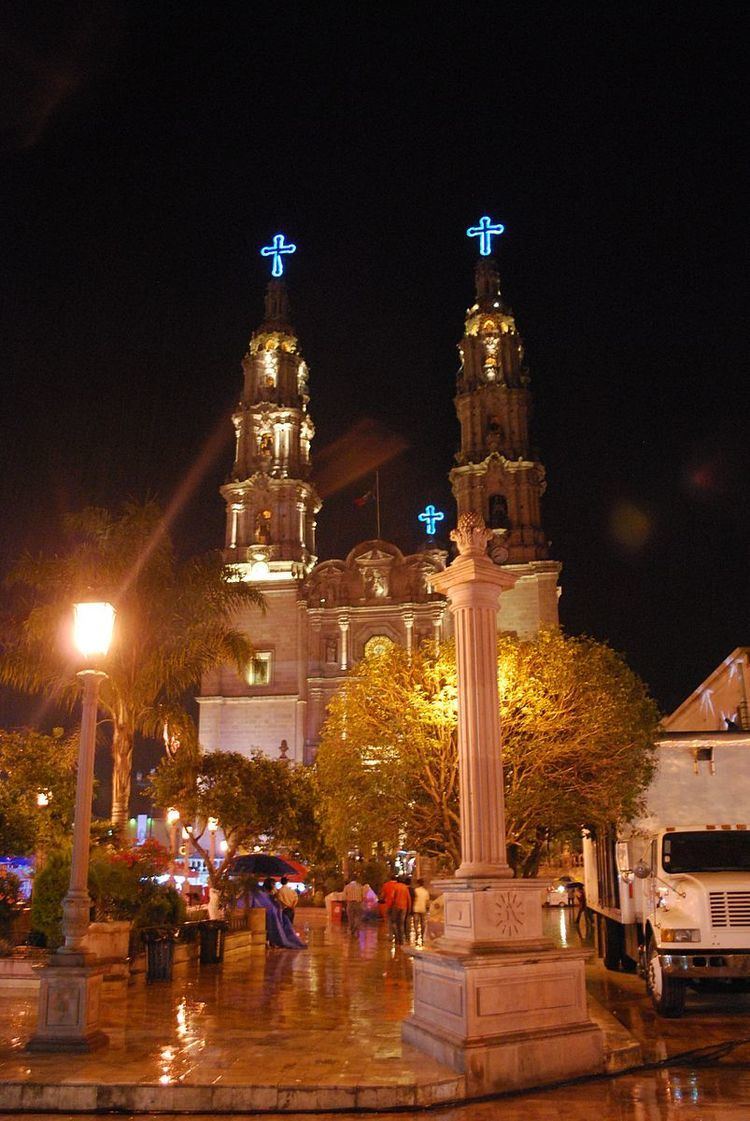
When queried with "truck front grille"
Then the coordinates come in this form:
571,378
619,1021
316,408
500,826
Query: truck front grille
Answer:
729,908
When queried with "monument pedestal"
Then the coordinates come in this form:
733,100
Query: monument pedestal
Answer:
69,998
497,1001
494,999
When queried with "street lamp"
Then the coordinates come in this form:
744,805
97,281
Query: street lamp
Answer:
71,984
186,861
213,825
173,816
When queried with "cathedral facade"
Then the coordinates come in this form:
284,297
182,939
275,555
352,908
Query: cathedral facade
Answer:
323,616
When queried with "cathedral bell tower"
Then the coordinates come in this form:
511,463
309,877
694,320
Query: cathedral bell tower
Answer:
497,474
271,505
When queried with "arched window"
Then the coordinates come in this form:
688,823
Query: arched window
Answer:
499,512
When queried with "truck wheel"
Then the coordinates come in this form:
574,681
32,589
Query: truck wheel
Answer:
612,944
667,993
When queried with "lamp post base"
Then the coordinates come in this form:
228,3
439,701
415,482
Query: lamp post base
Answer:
69,1005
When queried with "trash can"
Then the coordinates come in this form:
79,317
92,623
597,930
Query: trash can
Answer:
159,943
213,934
337,910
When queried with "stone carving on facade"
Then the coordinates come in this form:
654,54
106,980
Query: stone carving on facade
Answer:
498,548
471,534
375,572
375,582
509,914
263,528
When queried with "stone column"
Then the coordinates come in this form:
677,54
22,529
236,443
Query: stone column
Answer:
473,585
493,998
344,630
409,627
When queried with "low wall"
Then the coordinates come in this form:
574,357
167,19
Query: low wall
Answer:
20,973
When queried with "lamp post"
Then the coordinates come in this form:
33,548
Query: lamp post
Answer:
186,861
213,825
214,903
172,817
71,984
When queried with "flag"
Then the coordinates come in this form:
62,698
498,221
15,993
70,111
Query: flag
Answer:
368,496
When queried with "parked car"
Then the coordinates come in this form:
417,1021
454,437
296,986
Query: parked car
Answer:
561,892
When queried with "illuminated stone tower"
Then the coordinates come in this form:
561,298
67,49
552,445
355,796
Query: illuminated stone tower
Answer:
271,506
497,473
270,543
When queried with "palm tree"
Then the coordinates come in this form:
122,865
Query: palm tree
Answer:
175,621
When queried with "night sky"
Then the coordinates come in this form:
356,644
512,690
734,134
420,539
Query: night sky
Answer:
149,150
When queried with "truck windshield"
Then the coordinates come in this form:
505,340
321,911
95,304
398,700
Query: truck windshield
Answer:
725,851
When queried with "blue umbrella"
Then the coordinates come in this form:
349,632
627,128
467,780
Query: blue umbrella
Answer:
261,864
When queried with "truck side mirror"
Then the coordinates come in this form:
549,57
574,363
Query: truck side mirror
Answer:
642,870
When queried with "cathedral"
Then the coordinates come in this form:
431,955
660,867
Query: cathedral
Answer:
323,615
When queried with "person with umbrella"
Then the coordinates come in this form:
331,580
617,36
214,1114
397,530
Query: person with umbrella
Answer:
279,930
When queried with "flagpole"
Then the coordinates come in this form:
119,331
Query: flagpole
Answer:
377,499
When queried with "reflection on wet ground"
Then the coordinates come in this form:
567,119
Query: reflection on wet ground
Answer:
353,993
329,1015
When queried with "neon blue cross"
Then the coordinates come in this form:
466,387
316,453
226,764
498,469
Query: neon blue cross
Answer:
485,231
275,251
430,517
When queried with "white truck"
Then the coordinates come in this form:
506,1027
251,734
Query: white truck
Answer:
670,893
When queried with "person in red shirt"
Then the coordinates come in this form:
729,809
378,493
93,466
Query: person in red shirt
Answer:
397,898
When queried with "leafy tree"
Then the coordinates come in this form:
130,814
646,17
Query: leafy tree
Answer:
250,797
578,737
10,900
387,768
34,765
175,621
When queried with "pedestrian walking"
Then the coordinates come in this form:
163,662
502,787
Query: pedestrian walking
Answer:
353,896
421,907
287,897
397,898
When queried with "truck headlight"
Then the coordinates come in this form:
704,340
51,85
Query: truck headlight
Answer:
680,934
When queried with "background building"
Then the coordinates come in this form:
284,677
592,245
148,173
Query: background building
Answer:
322,616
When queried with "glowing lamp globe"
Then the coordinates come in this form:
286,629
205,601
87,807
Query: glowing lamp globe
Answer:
92,628
173,816
213,824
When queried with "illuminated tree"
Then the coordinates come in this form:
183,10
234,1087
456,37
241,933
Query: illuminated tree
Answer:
249,796
387,766
578,729
37,790
175,621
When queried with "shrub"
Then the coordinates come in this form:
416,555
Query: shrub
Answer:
113,886
162,906
117,891
50,885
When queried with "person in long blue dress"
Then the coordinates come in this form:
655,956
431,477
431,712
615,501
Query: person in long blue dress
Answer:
279,929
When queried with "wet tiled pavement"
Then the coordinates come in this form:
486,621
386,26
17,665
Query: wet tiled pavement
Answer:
331,1016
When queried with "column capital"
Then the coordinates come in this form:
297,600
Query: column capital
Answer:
473,573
